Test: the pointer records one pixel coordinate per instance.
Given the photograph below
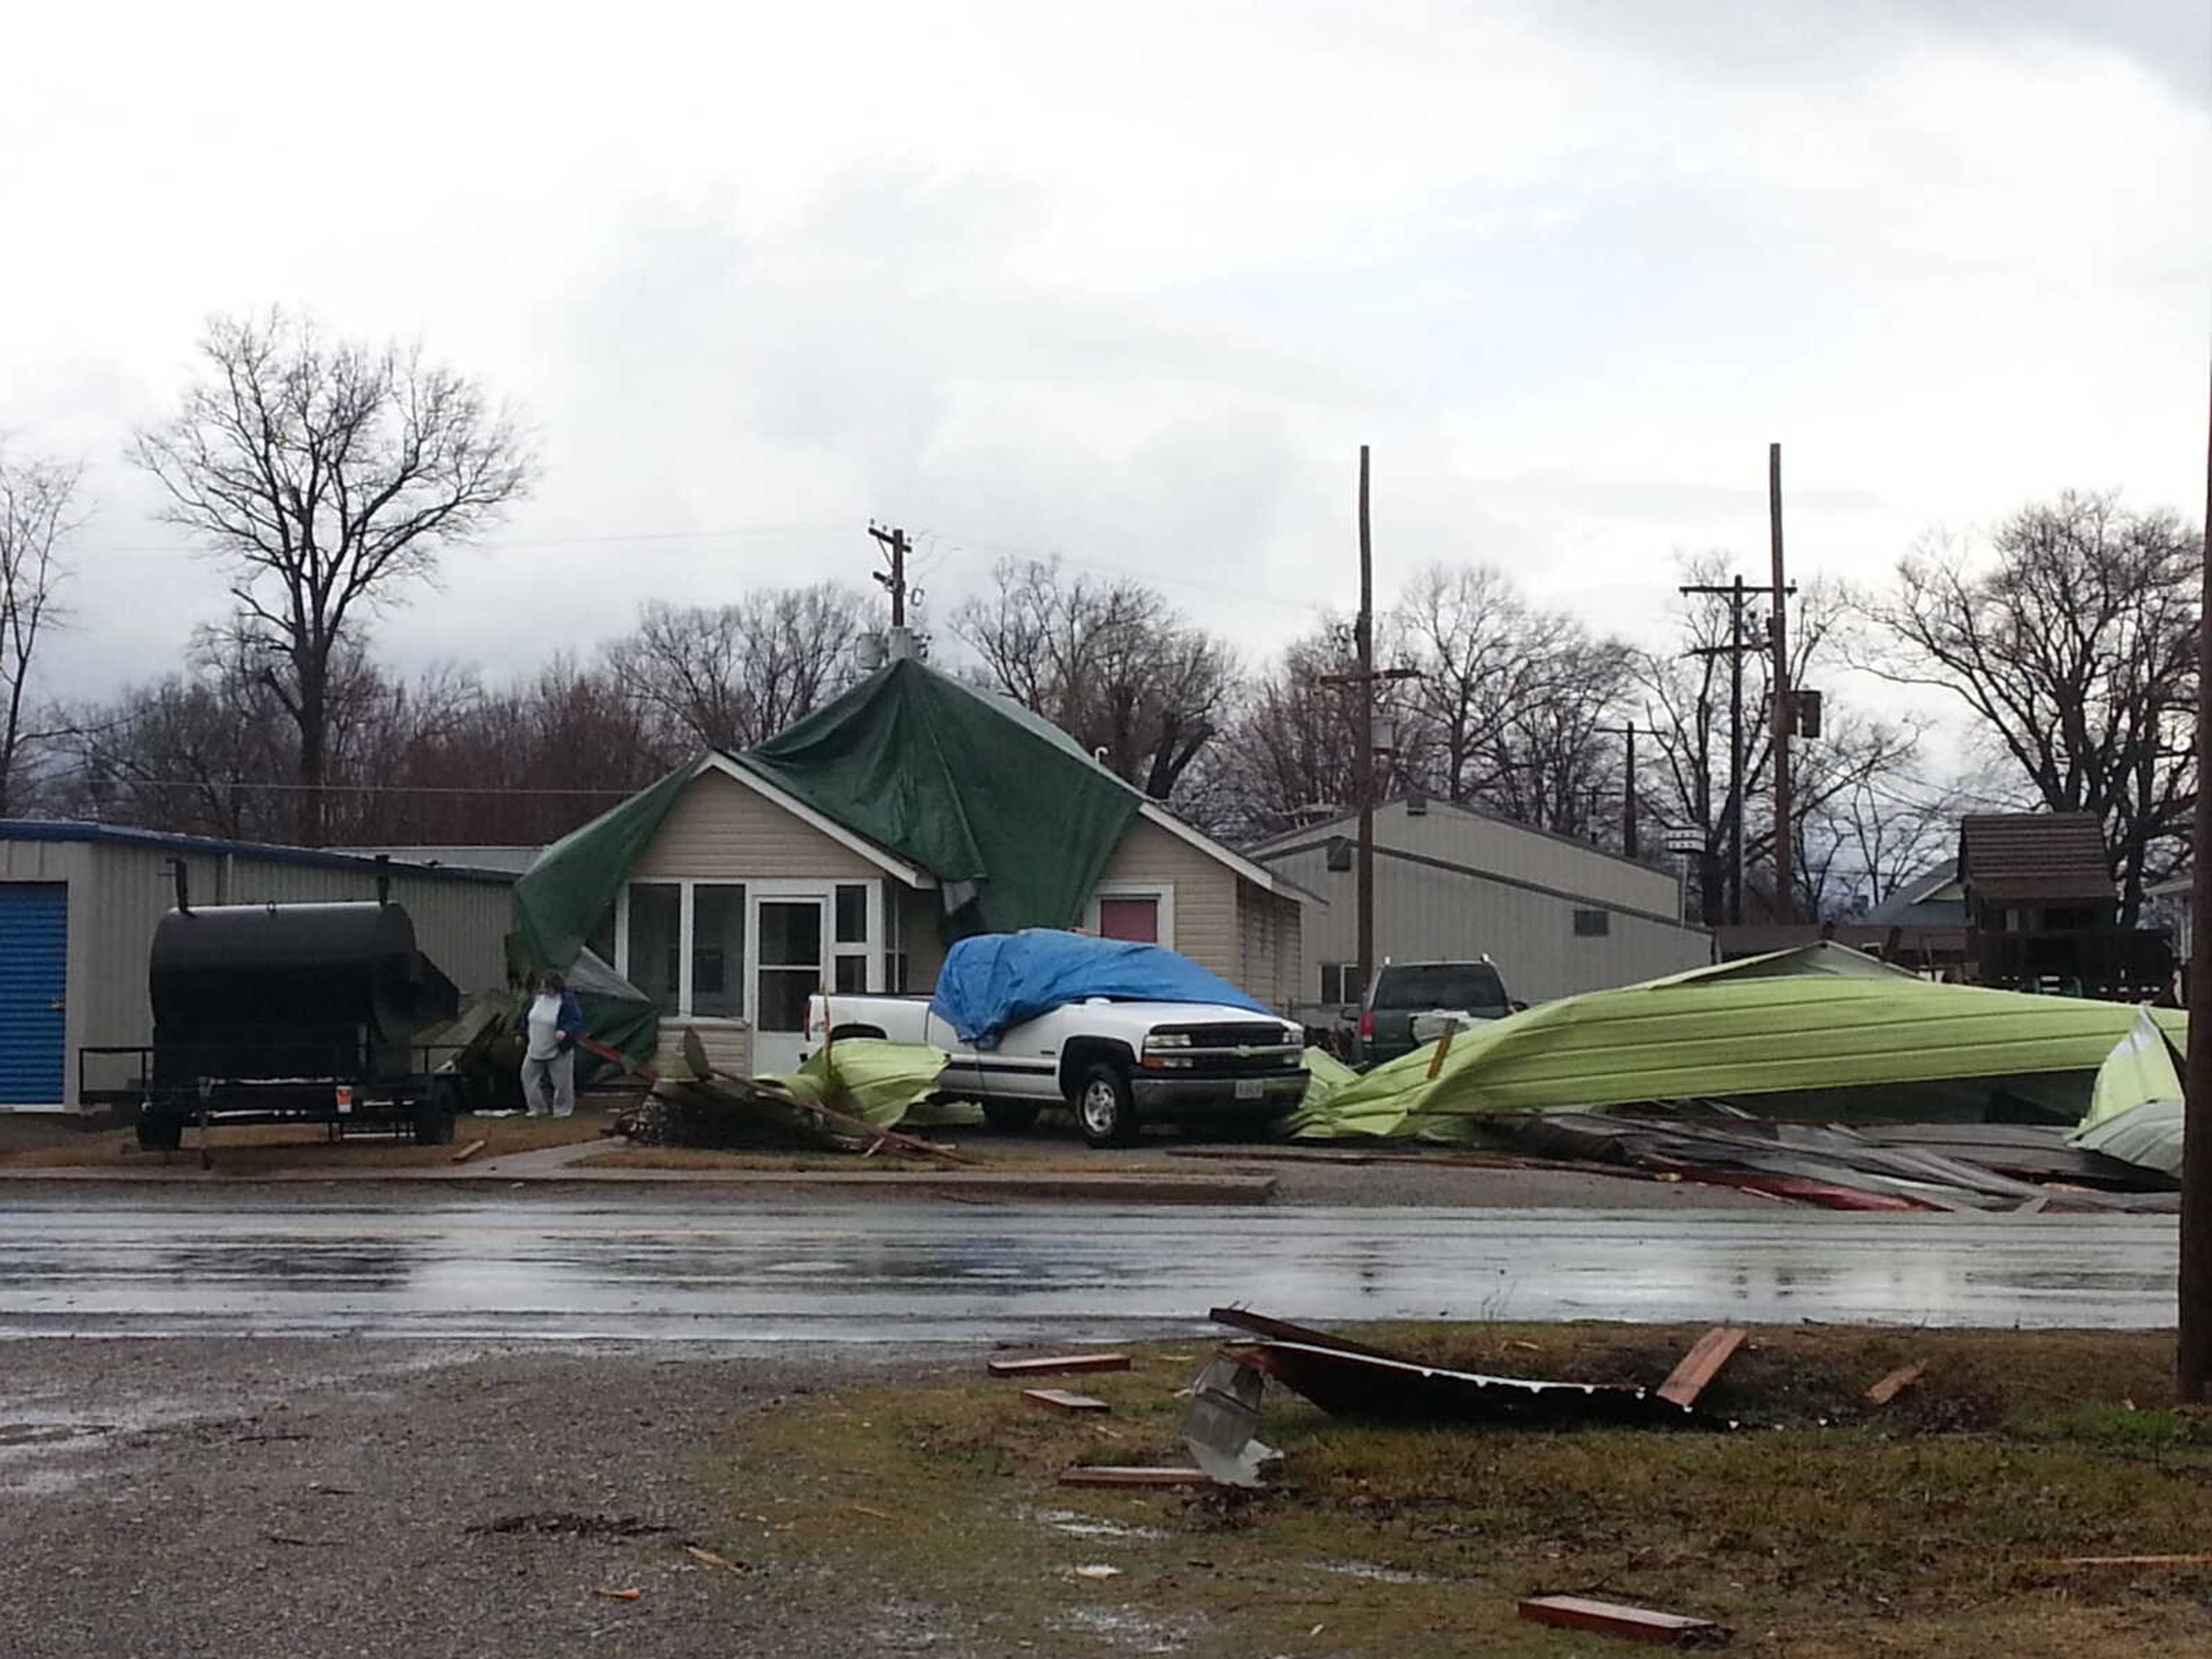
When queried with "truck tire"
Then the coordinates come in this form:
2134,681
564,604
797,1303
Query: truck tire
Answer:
1012,1117
1104,1110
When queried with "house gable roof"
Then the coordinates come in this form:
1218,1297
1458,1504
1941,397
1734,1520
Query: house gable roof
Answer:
2034,855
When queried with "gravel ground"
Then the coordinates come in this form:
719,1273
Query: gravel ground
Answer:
250,1499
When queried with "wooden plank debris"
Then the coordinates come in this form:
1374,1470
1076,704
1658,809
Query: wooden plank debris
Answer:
470,1151
1895,1383
1057,1365
711,1560
1065,1401
1701,1365
619,1594
1672,1630
1097,1474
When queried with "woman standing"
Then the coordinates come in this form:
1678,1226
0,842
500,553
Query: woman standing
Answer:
549,1024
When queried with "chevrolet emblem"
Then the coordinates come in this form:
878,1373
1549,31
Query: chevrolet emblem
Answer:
1243,1052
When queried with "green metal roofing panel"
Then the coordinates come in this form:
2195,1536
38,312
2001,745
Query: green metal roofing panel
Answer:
1728,1033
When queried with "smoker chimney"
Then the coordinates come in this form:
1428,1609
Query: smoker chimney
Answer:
179,875
384,878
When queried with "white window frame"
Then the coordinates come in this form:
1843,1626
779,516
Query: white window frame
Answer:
824,890
1163,891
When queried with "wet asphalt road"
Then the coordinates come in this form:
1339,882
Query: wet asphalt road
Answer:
890,1272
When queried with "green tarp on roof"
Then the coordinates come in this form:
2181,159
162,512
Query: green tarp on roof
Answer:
968,785
1005,810
1726,1033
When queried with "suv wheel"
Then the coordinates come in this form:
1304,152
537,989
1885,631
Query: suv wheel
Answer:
1104,1110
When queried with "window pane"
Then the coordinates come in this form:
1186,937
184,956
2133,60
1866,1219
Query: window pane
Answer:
654,910
1135,918
783,994
791,933
852,915
1470,987
851,975
718,950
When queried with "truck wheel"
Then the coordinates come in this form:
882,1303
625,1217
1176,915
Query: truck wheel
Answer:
1012,1117
1104,1110
434,1124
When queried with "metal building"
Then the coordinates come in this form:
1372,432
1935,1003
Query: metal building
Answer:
78,905
1556,915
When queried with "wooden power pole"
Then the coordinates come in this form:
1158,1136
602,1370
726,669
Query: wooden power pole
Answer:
1785,906
896,547
1362,682
2193,1352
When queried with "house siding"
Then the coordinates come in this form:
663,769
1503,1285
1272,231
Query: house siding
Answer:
1269,929
1422,913
721,829
1206,927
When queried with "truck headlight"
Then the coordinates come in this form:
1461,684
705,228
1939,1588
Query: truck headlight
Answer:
1168,1040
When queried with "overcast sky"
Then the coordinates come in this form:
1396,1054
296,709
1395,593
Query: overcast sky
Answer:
1131,281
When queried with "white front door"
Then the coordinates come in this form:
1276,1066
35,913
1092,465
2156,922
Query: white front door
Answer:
789,966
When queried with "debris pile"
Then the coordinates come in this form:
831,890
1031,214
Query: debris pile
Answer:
844,1098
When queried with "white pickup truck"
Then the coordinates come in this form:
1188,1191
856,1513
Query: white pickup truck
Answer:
1117,1065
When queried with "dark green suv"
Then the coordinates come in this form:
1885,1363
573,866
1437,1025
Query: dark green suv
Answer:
1403,991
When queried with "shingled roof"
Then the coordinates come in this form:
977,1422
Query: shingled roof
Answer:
2034,855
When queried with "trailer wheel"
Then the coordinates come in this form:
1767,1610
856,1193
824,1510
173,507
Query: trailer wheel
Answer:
1105,1110
434,1122
1012,1117
160,1131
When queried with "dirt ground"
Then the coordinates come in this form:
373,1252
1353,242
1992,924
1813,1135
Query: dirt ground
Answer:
253,1499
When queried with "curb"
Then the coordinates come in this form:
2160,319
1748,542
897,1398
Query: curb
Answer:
974,1187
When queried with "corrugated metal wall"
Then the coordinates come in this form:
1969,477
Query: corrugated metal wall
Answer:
1424,913
117,893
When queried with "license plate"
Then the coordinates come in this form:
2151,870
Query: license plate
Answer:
1250,1088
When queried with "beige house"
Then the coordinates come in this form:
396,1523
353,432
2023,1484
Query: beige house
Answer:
747,899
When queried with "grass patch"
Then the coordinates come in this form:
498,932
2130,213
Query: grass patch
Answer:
1927,1527
252,1148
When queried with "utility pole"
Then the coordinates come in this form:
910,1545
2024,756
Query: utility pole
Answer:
1736,592
896,548
1627,795
1784,711
1362,681
2193,1351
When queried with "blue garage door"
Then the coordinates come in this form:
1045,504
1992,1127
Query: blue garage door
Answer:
33,973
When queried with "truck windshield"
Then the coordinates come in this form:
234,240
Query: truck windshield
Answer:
1463,985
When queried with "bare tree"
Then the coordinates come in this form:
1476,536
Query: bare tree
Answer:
2073,648
730,676
37,510
327,477
1111,663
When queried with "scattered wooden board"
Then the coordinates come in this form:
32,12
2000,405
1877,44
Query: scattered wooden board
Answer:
1701,1365
1065,1401
470,1151
1895,1383
1058,1364
1084,1474
1672,1629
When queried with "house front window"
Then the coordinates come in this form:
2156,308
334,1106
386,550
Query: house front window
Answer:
717,950
753,950
1132,910
653,957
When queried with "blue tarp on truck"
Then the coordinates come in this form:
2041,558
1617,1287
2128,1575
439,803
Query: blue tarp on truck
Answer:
994,981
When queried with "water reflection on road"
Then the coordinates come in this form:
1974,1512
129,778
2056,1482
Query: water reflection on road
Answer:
880,1271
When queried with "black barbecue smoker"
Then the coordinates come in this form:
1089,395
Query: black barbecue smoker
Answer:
271,1013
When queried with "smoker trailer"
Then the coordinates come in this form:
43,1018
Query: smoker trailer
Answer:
270,1013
